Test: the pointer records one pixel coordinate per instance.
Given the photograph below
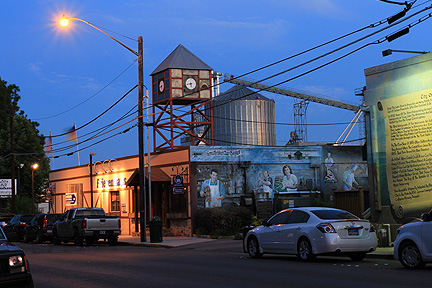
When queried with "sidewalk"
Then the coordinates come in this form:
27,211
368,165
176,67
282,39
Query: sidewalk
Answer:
172,242
167,242
382,252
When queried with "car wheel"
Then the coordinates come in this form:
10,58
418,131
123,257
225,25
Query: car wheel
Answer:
253,248
89,241
304,250
112,241
357,256
78,240
410,256
38,238
55,239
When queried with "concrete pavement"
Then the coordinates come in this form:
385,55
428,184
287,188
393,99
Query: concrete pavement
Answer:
167,242
172,242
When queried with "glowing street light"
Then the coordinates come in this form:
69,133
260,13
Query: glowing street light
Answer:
34,167
64,22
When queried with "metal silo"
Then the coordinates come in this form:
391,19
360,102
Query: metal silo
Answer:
243,117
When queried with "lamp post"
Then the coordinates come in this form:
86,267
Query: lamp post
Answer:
34,167
91,178
20,166
64,22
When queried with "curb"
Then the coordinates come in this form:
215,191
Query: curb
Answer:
145,244
372,255
380,256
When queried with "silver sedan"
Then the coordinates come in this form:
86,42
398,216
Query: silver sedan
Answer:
310,231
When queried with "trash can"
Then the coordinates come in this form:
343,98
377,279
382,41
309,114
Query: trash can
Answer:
155,230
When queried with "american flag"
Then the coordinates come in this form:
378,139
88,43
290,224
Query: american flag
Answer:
48,145
72,135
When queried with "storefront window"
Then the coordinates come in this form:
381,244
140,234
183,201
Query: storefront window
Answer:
115,201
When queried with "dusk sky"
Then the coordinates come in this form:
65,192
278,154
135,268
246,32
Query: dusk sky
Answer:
73,74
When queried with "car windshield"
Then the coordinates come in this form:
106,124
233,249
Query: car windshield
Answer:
53,217
87,213
333,214
26,218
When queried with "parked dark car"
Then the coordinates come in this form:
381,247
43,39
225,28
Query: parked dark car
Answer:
15,271
5,219
15,229
40,227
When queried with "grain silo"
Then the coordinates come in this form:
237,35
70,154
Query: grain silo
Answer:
243,117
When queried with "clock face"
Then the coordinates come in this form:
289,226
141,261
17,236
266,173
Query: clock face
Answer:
161,86
190,83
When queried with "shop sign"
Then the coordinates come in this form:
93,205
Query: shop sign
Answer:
102,183
71,198
178,184
6,188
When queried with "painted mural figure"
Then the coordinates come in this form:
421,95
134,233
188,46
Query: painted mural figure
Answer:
213,190
267,184
289,181
328,163
349,179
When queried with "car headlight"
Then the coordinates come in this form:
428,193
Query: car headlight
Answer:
17,264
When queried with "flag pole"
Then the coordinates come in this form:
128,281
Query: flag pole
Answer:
76,139
52,154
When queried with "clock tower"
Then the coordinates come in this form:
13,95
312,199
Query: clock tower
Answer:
181,82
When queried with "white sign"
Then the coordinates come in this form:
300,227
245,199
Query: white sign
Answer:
6,188
71,198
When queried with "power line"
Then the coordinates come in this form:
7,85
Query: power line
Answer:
321,66
100,115
103,88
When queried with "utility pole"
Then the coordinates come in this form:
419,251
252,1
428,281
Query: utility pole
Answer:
91,178
141,142
12,145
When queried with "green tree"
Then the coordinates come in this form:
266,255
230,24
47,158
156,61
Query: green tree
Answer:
28,146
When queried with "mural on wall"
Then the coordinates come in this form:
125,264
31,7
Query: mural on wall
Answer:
213,190
343,170
329,174
225,174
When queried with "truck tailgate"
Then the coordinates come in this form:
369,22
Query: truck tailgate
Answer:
97,224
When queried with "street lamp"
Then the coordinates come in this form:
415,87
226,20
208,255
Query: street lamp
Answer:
91,178
64,22
390,51
34,167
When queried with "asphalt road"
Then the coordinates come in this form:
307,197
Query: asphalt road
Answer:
218,263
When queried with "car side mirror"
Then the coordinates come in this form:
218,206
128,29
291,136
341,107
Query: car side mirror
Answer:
425,217
264,222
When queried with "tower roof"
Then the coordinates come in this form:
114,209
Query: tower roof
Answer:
241,93
181,58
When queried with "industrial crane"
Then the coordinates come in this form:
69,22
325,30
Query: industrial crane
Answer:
299,133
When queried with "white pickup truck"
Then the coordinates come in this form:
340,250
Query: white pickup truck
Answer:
89,224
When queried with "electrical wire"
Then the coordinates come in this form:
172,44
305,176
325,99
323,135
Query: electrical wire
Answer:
103,88
325,55
100,115
100,133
